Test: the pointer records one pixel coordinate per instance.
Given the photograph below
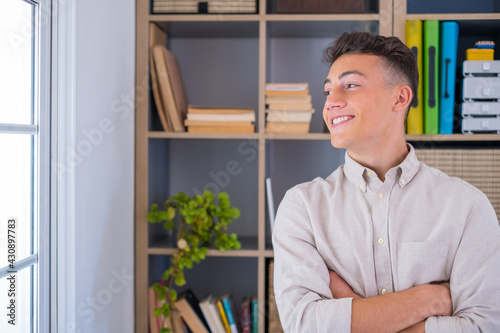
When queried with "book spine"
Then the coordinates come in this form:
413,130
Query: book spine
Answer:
414,41
245,317
448,64
229,314
431,77
223,316
255,316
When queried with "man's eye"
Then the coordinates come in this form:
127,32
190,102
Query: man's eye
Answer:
328,92
351,85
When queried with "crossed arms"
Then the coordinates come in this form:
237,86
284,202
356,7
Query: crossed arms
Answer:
403,311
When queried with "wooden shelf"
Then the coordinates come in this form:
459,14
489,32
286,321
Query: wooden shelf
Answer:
311,136
158,18
185,135
248,248
454,17
454,137
305,136
321,17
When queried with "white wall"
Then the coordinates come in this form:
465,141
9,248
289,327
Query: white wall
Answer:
105,47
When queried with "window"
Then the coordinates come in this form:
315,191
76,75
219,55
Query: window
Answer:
24,165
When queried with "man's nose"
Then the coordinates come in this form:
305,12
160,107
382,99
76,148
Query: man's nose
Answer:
334,100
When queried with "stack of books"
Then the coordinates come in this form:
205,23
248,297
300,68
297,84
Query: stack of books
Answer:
212,314
288,108
205,119
202,7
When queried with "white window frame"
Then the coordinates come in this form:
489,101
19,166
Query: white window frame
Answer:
55,259
63,283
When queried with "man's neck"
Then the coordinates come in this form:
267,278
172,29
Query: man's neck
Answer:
381,159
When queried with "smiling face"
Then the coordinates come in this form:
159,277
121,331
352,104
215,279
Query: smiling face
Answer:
360,99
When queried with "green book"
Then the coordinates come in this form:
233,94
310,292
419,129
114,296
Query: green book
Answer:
431,77
255,314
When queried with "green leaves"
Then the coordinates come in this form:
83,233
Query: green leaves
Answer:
202,224
179,279
156,215
173,295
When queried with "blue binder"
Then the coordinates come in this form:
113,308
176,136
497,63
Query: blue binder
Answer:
448,64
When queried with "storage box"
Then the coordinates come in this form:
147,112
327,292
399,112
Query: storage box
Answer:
481,125
480,109
481,88
481,67
322,6
479,54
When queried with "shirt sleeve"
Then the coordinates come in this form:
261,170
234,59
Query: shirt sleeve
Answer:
301,279
474,279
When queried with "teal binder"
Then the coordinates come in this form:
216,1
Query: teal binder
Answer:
431,77
448,63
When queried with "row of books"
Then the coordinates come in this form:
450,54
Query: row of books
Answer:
202,7
212,314
288,108
435,46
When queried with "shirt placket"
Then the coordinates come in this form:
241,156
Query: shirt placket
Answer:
381,248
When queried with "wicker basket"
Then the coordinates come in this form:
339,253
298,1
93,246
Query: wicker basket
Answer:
479,167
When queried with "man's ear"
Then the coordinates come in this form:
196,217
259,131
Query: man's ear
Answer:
403,98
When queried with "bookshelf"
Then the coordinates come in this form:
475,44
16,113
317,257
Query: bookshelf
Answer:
226,60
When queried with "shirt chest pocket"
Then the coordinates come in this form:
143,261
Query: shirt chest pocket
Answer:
420,263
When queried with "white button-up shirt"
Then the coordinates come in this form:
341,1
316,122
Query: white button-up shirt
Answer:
416,227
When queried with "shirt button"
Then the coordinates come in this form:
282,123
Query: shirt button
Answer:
369,173
380,196
402,181
380,241
362,186
384,291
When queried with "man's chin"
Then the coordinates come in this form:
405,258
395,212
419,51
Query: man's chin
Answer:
338,142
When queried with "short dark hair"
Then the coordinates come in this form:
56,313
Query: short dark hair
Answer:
398,57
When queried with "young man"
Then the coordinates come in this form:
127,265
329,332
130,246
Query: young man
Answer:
385,243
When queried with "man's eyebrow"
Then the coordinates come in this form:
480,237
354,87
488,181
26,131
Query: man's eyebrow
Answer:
353,72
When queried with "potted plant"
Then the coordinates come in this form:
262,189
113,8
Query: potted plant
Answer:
202,225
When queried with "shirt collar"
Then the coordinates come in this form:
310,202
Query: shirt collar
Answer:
405,171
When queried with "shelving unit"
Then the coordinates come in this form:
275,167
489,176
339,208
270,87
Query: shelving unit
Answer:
226,60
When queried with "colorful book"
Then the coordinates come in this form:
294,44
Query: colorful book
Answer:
210,306
448,64
414,41
223,316
255,314
228,308
246,321
431,77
